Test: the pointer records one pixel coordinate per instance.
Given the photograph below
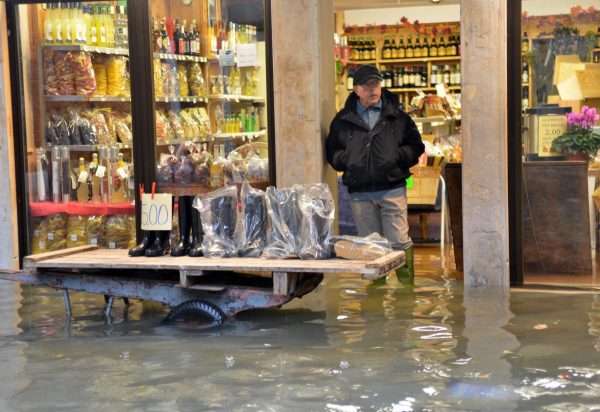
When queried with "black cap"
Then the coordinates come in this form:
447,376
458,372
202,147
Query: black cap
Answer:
365,73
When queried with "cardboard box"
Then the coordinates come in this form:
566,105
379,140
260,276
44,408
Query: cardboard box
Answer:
426,182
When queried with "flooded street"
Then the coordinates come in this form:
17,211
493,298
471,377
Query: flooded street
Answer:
344,347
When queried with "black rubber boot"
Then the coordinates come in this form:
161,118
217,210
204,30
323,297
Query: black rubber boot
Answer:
185,224
197,234
147,241
160,247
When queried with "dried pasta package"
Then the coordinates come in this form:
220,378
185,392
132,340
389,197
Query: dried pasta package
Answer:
175,122
60,128
100,127
196,80
165,68
218,213
51,85
132,234
74,130
370,247
191,130
63,63
172,80
76,231
158,78
101,76
39,236
83,72
122,127
161,127
56,238
182,80
116,67
200,115
95,230
116,232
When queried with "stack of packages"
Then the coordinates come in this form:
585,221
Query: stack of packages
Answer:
287,223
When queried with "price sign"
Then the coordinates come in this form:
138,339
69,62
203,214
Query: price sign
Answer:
226,58
157,211
246,54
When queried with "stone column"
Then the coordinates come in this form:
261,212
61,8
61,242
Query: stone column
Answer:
304,84
484,136
9,252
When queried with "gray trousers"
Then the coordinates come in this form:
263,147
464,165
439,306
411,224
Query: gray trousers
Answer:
383,212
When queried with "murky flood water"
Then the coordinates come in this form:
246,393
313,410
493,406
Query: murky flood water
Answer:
343,348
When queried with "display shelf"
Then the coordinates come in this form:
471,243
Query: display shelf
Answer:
362,61
181,99
433,119
180,57
175,143
416,89
83,99
91,147
90,49
420,60
178,189
41,209
251,135
236,98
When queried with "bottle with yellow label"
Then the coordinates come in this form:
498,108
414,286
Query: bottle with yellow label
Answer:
83,193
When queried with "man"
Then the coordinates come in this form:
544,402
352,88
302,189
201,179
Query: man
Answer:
375,143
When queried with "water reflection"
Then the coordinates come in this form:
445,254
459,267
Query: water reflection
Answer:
345,347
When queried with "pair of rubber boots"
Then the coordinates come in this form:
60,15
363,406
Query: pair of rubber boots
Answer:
405,274
154,244
189,220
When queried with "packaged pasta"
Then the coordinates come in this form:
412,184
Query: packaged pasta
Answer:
83,72
95,230
200,115
63,65
51,85
57,130
182,80
56,238
101,77
116,67
76,231
160,127
73,125
132,234
158,78
116,232
176,126
122,127
196,81
191,130
100,126
170,81
39,236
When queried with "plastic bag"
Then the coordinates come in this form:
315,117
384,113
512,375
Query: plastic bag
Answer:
74,130
76,231
218,213
95,230
158,78
318,213
51,84
190,128
116,232
196,80
132,232
182,81
258,169
185,171
116,67
122,127
86,131
57,232
201,160
101,76
175,122
285,221
369,247
63,64
253,227
235,169
161,127
200,115
83,72
57,130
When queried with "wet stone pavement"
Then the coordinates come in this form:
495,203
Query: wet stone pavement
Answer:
343,348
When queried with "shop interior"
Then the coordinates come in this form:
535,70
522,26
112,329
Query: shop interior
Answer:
416,45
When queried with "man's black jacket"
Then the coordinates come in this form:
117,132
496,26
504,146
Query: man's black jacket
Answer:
377,159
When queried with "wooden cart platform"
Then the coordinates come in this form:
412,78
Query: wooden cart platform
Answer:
230,285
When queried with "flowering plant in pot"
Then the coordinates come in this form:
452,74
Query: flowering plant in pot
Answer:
580,141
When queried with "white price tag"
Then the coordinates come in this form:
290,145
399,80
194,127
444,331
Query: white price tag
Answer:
42,245
100,171
73,238
83,176
246,55
112,245
226,58
123,173
440,89
157,212
50,235
94,241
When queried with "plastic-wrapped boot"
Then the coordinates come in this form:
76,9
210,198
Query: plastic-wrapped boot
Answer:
185,222
147,241
406,274
197,234
160,247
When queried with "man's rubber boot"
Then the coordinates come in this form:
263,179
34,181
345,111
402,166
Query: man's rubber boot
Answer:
185,224
197,234
160,247
406,274
147,241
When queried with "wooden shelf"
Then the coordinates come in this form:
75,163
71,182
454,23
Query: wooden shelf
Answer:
250,135
362,61
91,147
425,89
89,49
88,99
180,57
236,98
420,60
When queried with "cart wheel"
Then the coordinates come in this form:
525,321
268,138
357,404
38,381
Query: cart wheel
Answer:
195,310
